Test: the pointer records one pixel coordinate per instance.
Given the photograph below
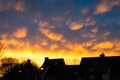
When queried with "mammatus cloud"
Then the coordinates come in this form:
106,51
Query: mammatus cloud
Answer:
43,24
59,29
76,26
102,8
104,45
20,6
80,23
106,5
53,47
44,43
117,46
70,52
15,5
77,48
52,36
88,44
20,33
94,30
89,22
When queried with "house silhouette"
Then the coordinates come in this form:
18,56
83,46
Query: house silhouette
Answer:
90,68
52,69
100,68
26,71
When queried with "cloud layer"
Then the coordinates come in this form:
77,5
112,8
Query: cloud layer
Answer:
60,28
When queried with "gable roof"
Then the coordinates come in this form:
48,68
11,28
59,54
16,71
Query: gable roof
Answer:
110,61
98,61
52,62
53,65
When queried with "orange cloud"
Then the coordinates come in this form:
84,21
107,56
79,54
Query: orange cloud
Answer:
17,6
106,6
52,36
77,48
20,6
102,8
4,36
76,26
53,47
89,22
13,42
87,44
43,24
104,45
72,52
44,43
116,46
94,30
106,33
37,53
20,33
88,35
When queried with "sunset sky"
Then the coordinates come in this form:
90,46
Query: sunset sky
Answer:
68,29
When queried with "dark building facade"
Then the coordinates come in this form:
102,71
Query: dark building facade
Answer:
71,72
55,69
90,68
52,69
100,68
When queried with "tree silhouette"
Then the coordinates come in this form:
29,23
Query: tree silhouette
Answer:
2,48
13,73
22,71
7,64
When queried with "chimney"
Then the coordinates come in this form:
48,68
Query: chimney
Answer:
46,58
102,55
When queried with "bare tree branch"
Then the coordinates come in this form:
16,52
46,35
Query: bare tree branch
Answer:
2,48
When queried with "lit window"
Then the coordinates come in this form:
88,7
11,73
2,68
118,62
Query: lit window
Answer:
42,68
20,71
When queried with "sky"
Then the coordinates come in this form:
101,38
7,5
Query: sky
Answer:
69,29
